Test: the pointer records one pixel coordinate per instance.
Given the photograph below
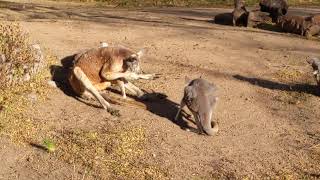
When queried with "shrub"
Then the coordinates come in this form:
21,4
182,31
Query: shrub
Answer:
19,60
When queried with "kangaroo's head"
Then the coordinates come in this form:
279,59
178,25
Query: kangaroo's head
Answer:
315,63
132,63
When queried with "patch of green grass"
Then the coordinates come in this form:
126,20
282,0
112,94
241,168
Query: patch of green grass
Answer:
49,145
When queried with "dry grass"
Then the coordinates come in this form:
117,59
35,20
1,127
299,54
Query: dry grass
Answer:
16,54
290,75
15,101
107,154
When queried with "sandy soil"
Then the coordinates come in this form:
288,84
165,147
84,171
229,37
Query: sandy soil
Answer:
268,111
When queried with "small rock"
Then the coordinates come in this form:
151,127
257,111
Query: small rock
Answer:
2,58
33,97
26,77
52,84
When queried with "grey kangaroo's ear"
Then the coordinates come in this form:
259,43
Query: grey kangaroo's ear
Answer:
187,80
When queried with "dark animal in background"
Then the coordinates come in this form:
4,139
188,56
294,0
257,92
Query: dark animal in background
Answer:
293,24
239,14
276,8
304,26
200,96
257,17
312,30
315,63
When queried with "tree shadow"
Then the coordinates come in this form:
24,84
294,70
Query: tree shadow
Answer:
305,88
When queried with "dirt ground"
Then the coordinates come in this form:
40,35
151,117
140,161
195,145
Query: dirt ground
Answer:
268,111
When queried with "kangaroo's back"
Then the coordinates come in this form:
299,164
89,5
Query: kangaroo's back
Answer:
92,61
200,95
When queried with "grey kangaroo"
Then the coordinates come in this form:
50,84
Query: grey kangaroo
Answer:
200,96
315,63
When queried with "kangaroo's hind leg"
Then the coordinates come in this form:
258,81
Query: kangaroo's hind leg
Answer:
182,104
198,122
81,76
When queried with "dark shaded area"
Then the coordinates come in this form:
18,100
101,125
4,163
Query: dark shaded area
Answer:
60,75
166,108
305,88
38,146
223,19
160,105
269,27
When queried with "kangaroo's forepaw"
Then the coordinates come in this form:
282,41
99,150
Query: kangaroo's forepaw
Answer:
147,76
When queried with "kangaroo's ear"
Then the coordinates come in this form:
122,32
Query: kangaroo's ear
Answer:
140,53
187,80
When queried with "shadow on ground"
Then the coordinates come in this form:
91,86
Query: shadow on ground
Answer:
305,88
223,19
60,75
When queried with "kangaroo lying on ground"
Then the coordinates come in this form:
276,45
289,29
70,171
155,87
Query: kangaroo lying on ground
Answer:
293,24
239,14
305,26
200,96
96,69
315,63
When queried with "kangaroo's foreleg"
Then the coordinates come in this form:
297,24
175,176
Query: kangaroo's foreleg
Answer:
182,104
137,91
121,84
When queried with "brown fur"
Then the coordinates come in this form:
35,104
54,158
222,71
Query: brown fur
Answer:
305,26
92,62
293,24
257,17
96,69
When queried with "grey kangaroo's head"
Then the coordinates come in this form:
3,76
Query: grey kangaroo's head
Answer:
132,63
315,63
197,91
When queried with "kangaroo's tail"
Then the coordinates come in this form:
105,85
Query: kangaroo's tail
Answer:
211,128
